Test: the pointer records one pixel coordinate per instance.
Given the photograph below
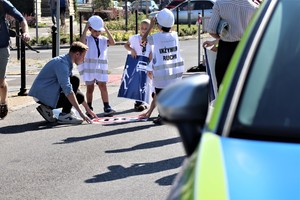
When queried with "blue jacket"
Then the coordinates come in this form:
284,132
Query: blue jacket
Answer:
7,8
53,79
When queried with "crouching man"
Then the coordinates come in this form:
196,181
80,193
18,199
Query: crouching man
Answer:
56,87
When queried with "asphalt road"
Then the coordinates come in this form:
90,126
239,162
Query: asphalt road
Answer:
121,161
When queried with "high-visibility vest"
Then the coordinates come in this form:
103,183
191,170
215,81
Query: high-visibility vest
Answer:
168,65
94,67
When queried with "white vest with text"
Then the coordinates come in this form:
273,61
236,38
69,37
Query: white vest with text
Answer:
168,65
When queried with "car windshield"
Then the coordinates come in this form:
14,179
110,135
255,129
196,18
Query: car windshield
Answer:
270,103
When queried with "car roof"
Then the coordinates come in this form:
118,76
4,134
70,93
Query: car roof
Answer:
213,1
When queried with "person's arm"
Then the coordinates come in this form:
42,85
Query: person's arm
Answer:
12,11
127,46
111,40
25,34
150,56
88,109
72,98
152,23
83,36
215,35
150,110
209,43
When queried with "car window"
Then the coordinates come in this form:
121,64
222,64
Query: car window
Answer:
270,100
184,6
175,2
199,5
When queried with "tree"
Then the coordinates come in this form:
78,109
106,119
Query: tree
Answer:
102,4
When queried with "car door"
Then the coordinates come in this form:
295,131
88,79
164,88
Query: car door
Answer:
202,6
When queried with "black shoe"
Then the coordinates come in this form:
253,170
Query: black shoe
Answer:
3,110
109,111
140,107
158,121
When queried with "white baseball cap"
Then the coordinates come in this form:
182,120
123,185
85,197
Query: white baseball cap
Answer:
96,23
165,18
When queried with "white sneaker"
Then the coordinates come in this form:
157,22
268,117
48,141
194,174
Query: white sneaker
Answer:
69,118
46,113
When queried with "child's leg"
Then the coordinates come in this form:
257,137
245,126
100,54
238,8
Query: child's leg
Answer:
89,94
103,90
108,111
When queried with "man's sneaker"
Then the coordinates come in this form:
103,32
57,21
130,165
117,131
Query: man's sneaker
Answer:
46,113
109,111
3,110
69,118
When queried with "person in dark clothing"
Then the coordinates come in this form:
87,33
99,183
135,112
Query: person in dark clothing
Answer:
7,8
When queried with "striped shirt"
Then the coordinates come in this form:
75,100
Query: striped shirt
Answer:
237,13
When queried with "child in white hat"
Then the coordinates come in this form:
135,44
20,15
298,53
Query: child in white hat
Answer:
95,68
135,48
167,63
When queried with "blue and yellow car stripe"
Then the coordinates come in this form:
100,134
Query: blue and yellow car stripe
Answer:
210,181
230,168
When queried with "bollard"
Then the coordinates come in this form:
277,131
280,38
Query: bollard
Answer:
199,38
136,22
126,16
71,29
177,17
203,23
23,70
18,40
54,33
80,24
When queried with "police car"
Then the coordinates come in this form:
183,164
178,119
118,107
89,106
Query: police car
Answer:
247,146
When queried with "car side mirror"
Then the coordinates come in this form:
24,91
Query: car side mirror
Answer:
185,104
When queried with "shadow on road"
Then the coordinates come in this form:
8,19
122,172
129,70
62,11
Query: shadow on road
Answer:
119,172
21,128
166,181
147,145
105,134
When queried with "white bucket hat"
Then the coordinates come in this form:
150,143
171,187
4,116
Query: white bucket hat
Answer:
165,18
96,23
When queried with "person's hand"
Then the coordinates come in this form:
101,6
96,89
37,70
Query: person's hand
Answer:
153,21
144,115
213,43
208,43
85,118
133,53
91,113
87,26
150,74
105,27
26,36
